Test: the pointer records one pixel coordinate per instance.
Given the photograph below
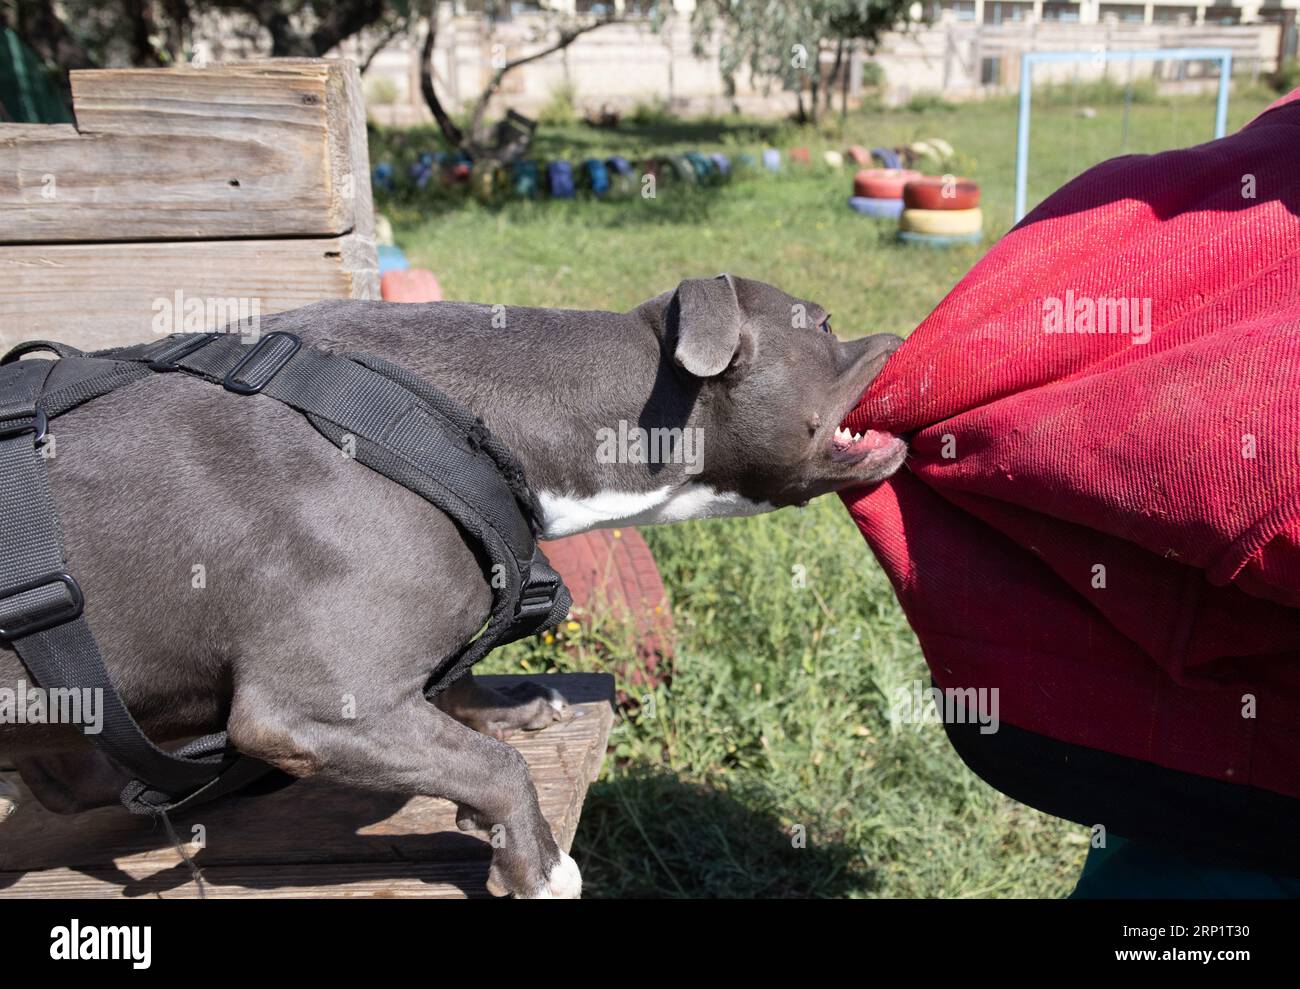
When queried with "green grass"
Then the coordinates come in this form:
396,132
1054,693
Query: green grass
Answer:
776,717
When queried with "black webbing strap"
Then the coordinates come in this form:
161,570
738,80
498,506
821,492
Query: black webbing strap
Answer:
41,603
402,427
394,422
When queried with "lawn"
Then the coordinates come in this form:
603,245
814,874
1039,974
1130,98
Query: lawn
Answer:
775,724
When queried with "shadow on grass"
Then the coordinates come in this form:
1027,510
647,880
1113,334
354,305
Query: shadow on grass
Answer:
655,835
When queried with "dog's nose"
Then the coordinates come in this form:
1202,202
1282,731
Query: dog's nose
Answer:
858,353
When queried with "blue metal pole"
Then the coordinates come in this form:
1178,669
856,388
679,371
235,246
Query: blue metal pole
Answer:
1022,135
1221,110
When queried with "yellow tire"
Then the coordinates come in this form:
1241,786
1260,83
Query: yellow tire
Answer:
945,222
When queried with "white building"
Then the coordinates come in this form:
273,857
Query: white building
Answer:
962,49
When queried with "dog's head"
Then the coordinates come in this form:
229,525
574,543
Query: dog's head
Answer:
773,385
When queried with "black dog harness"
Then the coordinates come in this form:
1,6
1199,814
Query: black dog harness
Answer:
388,418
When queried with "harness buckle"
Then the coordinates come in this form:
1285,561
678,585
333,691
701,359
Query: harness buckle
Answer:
168,359
46,615
267,358
36,423
537,597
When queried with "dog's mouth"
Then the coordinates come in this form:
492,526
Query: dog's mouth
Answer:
868,448
850,448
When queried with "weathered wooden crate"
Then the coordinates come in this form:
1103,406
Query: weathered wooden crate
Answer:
308,840
181,192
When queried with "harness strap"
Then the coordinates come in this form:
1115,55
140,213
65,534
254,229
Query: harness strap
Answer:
389,419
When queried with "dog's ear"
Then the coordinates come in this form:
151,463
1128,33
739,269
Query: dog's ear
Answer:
705,315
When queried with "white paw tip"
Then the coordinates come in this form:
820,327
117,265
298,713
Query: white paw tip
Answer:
556,700
564,882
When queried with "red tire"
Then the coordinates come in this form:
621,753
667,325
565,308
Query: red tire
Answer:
611,572
936,193
800,156
882,183
410,285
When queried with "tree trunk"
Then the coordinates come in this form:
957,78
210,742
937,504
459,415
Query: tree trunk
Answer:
455,137
844,85
477,143
835,75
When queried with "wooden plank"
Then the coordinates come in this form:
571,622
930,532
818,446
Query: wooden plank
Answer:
425,881
106,295
259,149
310,838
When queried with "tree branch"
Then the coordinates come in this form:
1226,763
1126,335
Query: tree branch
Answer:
566,38
394,29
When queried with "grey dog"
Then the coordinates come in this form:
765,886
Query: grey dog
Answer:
324,580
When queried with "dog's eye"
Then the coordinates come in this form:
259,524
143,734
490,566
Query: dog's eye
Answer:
826,325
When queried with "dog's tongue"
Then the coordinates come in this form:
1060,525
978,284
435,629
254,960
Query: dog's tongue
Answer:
850,447
851,441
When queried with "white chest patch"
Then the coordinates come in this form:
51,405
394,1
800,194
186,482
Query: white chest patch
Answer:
565,514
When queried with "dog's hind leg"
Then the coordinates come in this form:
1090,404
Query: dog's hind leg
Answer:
72,782
499,713
8,800
410,746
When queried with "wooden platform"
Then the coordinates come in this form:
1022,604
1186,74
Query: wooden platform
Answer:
181,195
309,839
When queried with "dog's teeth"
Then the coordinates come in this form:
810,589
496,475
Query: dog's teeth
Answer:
857,437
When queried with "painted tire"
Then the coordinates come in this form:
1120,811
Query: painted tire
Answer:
887,157
878,208
928,193
681,168
410,285
611,572
705,171
619,166
941,146
486,180
937,240
858,154
559,180
595,176
524,179
800,156
943,222
772,160
832,159
882,183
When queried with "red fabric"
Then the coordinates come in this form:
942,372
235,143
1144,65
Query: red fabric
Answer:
1074,450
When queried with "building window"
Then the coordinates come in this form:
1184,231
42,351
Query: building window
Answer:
1174,15
998,12
962,10
990,71
1062,13
1129,13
